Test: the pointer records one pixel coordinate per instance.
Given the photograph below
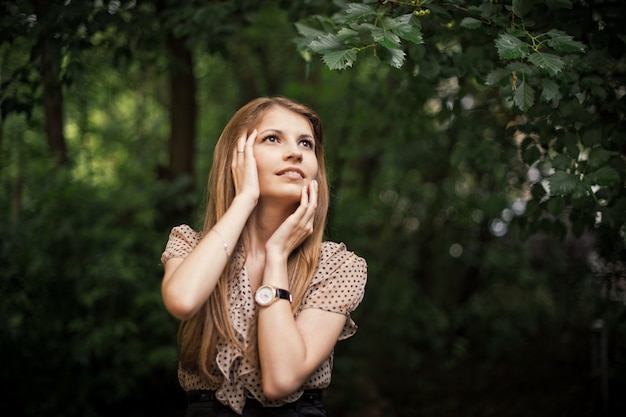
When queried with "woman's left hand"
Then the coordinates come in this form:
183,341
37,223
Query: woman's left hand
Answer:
297,227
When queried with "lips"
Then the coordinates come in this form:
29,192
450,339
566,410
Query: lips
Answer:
291,173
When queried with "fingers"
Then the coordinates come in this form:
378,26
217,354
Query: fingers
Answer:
308,206
299,225
312,198
249,143
244,147
243,165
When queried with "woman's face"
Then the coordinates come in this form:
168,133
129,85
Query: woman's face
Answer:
285,154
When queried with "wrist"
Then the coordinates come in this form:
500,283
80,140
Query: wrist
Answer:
275,257
246,201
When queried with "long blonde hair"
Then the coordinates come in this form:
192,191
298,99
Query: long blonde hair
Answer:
198,336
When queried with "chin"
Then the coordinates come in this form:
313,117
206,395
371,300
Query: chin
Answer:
285,197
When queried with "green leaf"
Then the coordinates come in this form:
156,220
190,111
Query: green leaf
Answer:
395,57
308,31
524,96
605,176
581,190
531,154
598,157
570,141
346,34
357,11
510,47
496,76
338,60
562,183
555,206
471,23
561,162
538,192
592,137
553,64
563,4
326,43
522,7
562,42
550,91
407,27
385,38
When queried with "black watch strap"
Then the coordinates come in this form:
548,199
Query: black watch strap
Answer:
283,294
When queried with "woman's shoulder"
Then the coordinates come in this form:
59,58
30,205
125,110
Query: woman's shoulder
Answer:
338,253
185,230
182,240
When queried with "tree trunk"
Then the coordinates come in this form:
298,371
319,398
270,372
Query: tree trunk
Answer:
52,98
183,109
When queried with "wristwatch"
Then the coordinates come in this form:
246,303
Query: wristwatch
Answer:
267,294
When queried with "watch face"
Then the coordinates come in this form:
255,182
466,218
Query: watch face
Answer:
265,295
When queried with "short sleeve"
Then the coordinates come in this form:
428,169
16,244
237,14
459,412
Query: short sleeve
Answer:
182,240
338,285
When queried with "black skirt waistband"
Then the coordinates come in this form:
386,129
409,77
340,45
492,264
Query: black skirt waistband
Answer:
308,395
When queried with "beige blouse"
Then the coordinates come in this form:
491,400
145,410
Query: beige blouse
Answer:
338,286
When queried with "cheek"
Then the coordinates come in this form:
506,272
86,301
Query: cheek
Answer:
314,168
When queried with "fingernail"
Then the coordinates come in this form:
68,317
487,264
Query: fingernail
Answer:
314,184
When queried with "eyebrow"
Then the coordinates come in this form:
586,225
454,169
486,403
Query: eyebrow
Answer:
280,132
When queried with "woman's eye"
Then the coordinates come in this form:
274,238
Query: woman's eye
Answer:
307,143
270,138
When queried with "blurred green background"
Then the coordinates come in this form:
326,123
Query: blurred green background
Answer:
480,300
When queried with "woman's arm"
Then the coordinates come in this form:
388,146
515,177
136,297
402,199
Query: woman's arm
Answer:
188,283
290,350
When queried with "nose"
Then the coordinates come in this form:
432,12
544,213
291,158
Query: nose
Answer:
293,153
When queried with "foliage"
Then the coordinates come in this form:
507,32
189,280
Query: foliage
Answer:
80,296
570,131
488,260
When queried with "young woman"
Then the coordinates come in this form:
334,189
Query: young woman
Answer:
261,297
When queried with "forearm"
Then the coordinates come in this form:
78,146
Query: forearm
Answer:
282,349
187,285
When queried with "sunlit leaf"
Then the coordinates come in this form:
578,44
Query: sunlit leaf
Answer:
385,38
326,43
356,11
407,27
562,183
396,57
562,42
553,64
346,34
338,60
510,47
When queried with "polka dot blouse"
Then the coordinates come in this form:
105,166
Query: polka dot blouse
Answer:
338,286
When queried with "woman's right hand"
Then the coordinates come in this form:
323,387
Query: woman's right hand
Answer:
244,167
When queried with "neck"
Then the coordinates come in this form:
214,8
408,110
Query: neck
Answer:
262,224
